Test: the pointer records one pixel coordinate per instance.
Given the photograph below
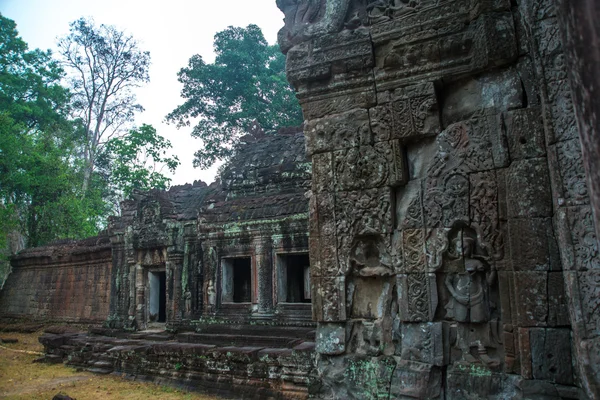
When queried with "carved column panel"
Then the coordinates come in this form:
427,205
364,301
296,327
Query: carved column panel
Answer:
175,302
263,276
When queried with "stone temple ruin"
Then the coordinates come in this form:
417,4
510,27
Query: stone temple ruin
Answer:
441,230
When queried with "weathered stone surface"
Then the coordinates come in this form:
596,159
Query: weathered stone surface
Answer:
533,245
415,380
417,297
551,355
525,133
331,338
577,235
424,342
406,113
528,185
342,131
568,174
531,291
68,281
482,94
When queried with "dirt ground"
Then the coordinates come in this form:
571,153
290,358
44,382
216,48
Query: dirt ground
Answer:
20,378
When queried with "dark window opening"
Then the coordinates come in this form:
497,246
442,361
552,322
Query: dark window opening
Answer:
237,280
294,278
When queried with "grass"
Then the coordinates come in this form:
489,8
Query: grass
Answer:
20,378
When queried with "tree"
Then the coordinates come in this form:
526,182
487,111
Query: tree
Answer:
246,83
39,199
105,66
137,160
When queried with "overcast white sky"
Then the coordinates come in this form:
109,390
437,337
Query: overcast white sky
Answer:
172,31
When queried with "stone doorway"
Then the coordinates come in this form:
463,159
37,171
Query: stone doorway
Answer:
157,297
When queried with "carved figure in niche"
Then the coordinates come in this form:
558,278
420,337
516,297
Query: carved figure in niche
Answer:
469,301
212,295
188,302
369,257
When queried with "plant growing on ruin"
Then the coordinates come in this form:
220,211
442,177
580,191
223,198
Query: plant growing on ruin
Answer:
246,83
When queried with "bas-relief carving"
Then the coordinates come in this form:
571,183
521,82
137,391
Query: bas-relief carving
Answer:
307,19
443,233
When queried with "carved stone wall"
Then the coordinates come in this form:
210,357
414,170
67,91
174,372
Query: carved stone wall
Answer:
453,250
66,282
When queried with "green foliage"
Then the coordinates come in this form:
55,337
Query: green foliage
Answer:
104,66
246,83
137,159
40,196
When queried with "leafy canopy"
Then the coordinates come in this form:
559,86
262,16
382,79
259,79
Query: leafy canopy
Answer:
136,160
39,200
246,83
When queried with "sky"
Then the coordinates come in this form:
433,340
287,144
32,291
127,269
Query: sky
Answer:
172,31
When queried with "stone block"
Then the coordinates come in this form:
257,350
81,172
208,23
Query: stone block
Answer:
371,337
330,338
525,353
417,297
551,355
589,291
559,120
368,167
558,311
319,105
525,133
329,55
477,382
528,189
533,246
577,235
483,208
492,92
406,113
569,181
341,131
424,342
414,250
329,299
415,380
409,208
417,48
550,49
367,377
531,291
364,212
322,173
370,297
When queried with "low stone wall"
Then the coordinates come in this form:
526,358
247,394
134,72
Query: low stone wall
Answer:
240,372
65,282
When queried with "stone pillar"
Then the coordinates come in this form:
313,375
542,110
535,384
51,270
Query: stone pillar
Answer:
117,312
263,278
191,276
441,144
175,302
140,296
580,31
